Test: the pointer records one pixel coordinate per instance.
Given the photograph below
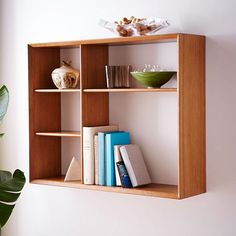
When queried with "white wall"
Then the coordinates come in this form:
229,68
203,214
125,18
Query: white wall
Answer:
46,211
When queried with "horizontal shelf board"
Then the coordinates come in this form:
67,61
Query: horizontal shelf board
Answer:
130,90
57,90
113,41
60,134
155,190
134,40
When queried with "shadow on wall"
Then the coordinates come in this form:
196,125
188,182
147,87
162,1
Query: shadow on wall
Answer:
221,110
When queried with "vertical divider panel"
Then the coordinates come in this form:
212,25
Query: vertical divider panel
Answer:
191,99
44,113
94,106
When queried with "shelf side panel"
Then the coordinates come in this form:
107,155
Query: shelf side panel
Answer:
94,105
191,95
44,113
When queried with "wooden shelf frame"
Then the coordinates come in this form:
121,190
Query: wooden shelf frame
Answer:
44,57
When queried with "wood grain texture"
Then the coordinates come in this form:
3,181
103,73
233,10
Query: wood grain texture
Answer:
44,114
128,90
191,98
154,190
95,109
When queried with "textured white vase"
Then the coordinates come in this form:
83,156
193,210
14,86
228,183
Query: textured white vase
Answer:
65,77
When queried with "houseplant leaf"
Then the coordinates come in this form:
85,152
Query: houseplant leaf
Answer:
10,189
4,99
10,185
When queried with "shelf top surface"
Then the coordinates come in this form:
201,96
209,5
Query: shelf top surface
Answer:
154,190
131,90
113,41
57,90
60,134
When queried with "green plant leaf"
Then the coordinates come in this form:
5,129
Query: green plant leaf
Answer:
5,212
10,185
10,189
4,99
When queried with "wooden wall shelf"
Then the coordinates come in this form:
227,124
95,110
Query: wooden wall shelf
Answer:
45,109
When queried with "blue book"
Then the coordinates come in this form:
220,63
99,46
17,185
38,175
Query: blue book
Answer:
124,176
102,157
111,139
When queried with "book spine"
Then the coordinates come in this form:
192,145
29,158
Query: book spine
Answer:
88,156
101,159
110,165
117,157
96,158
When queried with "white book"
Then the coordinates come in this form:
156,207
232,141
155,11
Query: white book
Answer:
135,165
117,157
88,150
96,157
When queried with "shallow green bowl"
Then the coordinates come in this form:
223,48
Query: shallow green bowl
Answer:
153,79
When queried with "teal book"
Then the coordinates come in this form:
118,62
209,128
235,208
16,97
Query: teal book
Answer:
102,157
111,139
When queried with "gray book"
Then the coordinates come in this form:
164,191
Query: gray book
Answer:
135,165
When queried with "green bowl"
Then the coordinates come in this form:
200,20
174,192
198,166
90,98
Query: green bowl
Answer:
153,79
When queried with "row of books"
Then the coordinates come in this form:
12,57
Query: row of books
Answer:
110,159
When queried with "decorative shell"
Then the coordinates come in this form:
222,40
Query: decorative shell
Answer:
65,77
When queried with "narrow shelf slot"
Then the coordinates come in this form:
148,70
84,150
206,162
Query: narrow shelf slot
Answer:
130,90
155,190
60,134
57,90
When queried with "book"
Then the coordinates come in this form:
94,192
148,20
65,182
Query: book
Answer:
88,150
111,139
102,157
96,158
117,158
123,175
135,165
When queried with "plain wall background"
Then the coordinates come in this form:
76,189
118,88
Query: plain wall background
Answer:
46,211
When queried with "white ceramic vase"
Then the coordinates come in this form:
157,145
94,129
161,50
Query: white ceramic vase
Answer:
65,77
